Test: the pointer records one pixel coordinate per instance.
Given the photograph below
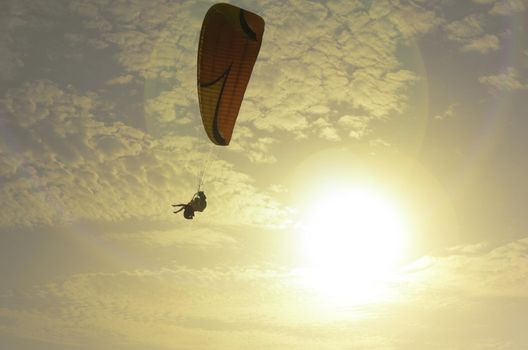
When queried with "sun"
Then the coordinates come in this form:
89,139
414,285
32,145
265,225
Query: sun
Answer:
352,239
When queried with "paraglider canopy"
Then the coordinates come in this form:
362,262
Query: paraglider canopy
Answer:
230,41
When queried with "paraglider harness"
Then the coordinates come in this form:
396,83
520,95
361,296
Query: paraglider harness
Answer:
197,203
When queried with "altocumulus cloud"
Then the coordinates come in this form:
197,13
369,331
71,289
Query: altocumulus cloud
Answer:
470,32
261,301
313,72
508,81
301,67
62,162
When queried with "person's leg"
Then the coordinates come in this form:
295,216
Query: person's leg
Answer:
178,205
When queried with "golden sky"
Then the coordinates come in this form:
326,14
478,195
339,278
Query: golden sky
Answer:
372,197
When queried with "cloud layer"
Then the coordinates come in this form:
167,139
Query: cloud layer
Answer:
62,163
260,307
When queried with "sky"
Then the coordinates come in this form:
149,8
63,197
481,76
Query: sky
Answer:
372,196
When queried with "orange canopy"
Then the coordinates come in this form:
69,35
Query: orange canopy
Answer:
229,44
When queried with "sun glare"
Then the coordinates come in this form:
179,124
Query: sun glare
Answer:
352,241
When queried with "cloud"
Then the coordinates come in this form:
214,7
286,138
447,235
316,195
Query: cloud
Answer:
326,130
172,106
300,71
264,306
478,273
256,149
150,41
471,34
469,248
508,7
469,27
504,7
121,80
388,91
483,44
357,126
64,162
189,237
413,20
118,307
448,113
508,81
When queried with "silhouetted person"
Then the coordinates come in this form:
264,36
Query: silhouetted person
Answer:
197,203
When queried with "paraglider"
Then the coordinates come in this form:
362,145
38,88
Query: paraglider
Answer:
230,41
229,44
